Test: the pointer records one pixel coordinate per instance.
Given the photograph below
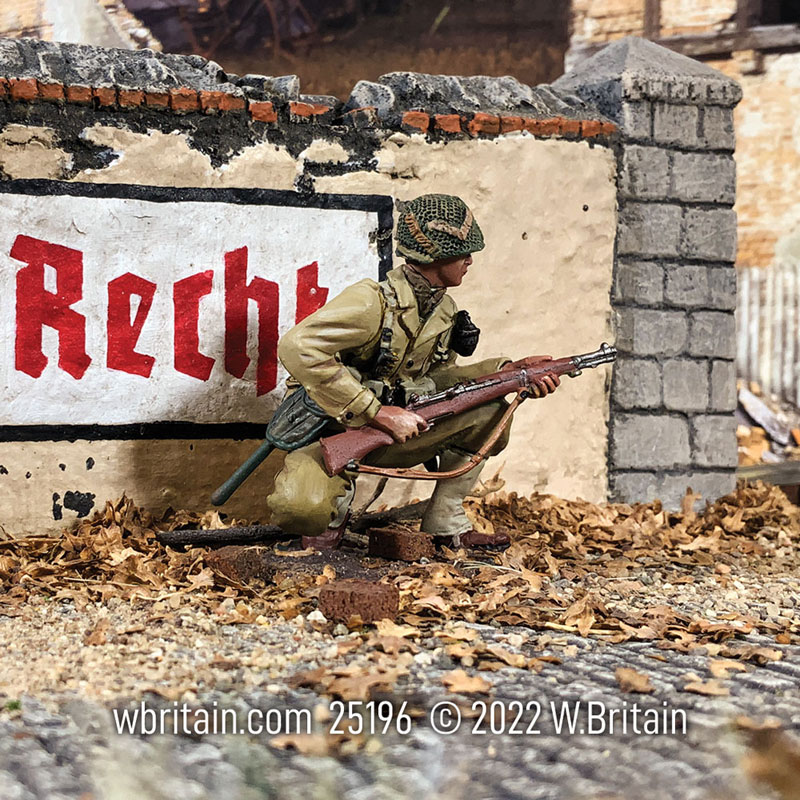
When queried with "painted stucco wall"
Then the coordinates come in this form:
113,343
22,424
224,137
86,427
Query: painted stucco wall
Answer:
541,286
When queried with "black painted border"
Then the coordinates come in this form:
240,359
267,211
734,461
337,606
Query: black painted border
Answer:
382,205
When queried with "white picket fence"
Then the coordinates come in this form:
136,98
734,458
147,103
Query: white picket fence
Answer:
767,317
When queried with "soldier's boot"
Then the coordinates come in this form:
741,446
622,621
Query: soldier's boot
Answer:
444,518
332,537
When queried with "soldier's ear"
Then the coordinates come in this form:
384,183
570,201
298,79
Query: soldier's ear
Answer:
401,205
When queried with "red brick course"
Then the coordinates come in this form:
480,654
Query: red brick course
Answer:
24,89
263,111
483,123
308,110
156,99
51,91
105,96
416,121
184,99
79,94
449,123
131,98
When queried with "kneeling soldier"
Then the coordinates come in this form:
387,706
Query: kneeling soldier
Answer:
362,354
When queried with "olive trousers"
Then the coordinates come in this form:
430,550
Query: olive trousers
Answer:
306,500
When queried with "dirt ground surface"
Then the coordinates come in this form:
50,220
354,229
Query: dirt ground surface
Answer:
673,640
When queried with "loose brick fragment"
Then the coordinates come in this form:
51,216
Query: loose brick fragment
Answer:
263,111
51,91
78,94
241,564
105,95
131,98
184,99
306,112
416,121
508,124
449,123
23,89
156,99
400,544
341,600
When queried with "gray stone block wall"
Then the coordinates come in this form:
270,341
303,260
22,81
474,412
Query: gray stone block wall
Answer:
673,390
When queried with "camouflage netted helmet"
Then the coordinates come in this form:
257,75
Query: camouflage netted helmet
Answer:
436,226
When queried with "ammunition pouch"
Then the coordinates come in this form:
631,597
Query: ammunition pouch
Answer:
298,421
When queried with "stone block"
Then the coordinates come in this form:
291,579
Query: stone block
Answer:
714,441
639,282
709,234
643,487
717,128
645,172
723,386
703,178
376,95
675,125
685,385
637,383
686,285
649,229
722,287
637,120
649,442
650,332
712,333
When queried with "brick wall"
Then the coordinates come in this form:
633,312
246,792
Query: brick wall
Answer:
675,288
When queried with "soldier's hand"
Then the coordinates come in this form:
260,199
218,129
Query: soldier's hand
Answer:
545,384
401,424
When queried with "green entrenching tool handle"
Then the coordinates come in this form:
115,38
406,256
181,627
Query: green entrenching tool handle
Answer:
243,472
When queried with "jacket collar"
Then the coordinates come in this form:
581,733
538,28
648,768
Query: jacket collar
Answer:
408,313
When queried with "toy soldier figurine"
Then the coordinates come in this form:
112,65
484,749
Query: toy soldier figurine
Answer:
362,354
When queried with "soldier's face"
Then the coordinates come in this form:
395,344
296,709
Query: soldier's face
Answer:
449,272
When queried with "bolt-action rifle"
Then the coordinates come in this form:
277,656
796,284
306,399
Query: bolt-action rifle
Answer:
345,450
299,421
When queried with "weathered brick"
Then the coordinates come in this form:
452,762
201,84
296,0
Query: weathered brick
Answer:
23,89
685,385
51,91
508,124
640,282
341,600
569,127
703,177
300,111
718,132
416,121
105,95
592,127
686,285
649,229
265,111
709,234
648,332
645,172
675,125
637,383
400,544
649,442
157,99
714,441
723,386
131,98
184,99
483,123
638,487
78,94
449,123
241,564
722,287
542,127
637,120
712,333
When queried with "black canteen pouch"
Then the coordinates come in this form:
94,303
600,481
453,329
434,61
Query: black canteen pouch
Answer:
464,336
298,421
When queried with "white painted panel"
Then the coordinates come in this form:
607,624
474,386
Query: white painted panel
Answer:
164,242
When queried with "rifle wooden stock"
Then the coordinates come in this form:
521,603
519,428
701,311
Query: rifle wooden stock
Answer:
342,449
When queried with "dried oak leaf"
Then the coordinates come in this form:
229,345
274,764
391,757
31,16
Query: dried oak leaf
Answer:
458,682
710,688
630,680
